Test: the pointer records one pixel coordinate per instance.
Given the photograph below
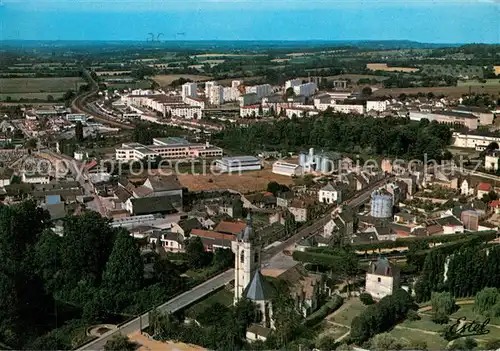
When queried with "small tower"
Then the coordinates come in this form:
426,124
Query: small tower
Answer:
246,259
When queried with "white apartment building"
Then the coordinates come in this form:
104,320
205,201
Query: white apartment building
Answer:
292,83
249,111
195,101
348,108
168,148
230,94
307,89
185,111
189,89
287,169
300,112
216,95
379,106
473,141
208,86
261,90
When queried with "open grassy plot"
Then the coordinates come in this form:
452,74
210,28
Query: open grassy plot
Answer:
335,331
346,313
434,341
39,85
30,96
474,83
448,91
222,296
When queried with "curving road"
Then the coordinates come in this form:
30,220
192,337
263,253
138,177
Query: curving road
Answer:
79,105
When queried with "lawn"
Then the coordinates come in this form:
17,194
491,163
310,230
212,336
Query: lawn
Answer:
222,296
328,329
475,82
346,313
30,96
39,85
434,341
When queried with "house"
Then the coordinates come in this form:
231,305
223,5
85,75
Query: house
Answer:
342,223
450,224
35,178
213,240
483,189
232,206
405,217
184,227
382,278
299,209
150,205
6,175
168,240
495,206
329,194
259,200
466,188
383,233
231,228
283,199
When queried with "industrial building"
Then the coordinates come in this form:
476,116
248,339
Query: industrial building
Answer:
381,204
473,140
170,148
76,117
323,162
287,169
239,164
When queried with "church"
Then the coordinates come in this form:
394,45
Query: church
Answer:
251,281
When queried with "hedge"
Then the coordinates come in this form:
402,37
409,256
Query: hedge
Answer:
324,310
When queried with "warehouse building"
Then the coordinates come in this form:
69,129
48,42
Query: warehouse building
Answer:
239,164
287,169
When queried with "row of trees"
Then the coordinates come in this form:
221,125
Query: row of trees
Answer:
388,136
470,268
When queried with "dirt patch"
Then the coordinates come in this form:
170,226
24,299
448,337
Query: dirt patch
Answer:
385,67
166,79
245,182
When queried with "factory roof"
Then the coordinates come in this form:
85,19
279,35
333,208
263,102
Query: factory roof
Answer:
240,159
456,114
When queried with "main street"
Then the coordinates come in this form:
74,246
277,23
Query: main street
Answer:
219,281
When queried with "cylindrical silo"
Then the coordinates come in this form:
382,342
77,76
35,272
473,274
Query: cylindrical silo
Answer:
325,165
381,205
302,159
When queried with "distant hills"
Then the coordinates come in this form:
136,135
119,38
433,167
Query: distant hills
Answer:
228,45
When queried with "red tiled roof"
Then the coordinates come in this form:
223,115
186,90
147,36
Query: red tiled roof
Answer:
494,203
91,164
484,187
434,229
211,234
230,227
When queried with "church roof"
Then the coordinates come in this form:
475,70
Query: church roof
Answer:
258,289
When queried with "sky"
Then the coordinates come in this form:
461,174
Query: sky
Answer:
431,21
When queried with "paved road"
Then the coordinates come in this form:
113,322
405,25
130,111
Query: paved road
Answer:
172,305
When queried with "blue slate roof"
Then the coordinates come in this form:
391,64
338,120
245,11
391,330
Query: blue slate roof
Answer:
258,289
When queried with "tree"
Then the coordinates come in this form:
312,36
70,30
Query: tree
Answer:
79,131
50,98
463,344
366,299
119,343
31,143
47,258
223,258
290,224
195,253
289,92
367,91
486,300
124,270
443,304
86,246
386,341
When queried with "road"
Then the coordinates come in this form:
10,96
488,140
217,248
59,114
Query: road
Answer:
79,105
170,306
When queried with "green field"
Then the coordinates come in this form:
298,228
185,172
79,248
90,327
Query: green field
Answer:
39,85
30,96
222,296
346,313
473,83
434,341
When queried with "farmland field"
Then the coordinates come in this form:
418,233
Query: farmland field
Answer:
385,67
489,82
166,79
30,96
39,85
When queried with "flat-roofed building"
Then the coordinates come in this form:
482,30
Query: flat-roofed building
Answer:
239,163
473,140
168,148
287,169
484,115
76,117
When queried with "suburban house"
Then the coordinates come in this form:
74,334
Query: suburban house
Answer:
342,223
213,240
483,189
168,240
283,199
329,194
6,175
299,209
184,227
231,228
382,278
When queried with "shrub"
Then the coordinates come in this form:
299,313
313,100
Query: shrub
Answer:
366,299
413,315
325,310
